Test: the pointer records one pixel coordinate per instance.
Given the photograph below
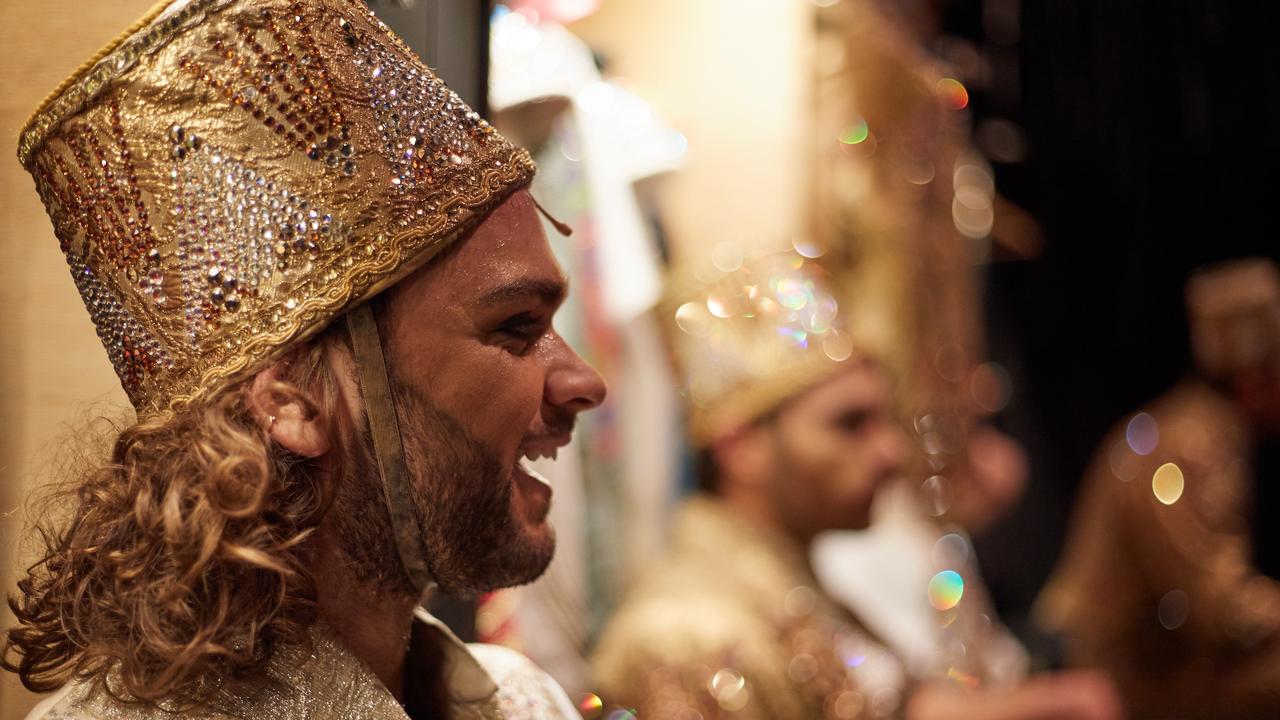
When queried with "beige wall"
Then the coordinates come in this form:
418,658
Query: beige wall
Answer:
733,76
51,365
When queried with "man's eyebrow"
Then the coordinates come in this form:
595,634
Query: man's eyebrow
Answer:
551,292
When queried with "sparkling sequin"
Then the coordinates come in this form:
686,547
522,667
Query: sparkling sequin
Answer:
405,99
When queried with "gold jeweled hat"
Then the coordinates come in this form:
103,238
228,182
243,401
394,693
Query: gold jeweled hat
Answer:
746,333
234,174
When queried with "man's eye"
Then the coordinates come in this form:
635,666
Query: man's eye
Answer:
853,421
524,327
522,324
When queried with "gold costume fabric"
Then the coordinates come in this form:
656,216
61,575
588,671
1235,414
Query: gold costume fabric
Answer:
731,623
237,173
330,683
1157,585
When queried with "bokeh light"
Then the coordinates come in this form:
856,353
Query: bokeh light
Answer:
953,93
1142,433
726,256
961,677
1173,610
846,706
793,294
951,551
936,496
1123,463
693,318
856,133
945,590
837,345
1167,483
807,247
718,307
590,705
991,387
729,688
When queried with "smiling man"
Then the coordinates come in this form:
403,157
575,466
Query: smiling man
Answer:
327,293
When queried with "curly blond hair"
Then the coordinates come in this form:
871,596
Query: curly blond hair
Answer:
182,560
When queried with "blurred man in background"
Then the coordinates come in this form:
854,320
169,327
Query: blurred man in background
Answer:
1164,580
796,436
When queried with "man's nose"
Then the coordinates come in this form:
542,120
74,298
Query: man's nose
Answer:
892,446
572,384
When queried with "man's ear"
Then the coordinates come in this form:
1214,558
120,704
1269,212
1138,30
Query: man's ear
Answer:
285,417
744,455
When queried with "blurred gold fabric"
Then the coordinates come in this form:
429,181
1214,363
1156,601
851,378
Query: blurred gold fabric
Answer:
731,623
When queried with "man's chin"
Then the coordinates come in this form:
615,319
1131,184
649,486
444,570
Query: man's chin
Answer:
529,555
542,549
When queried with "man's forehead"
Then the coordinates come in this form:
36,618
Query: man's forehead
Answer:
858,386
506,256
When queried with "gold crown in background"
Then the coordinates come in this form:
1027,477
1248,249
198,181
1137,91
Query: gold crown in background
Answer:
748,332
236,173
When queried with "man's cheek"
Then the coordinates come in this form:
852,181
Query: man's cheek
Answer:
511,406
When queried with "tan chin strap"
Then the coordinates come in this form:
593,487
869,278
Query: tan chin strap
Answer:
388,444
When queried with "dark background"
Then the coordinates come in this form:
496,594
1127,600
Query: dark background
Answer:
1151,131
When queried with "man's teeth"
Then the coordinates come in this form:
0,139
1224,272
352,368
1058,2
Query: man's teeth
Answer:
528,470
539,454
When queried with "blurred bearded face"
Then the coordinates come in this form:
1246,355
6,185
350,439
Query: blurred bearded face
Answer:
834,445
481,381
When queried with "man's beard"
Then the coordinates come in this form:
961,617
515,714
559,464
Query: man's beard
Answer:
462,497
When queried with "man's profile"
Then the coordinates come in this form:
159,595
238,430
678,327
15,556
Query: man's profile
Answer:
328,295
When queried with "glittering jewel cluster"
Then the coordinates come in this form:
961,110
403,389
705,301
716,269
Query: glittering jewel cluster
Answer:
407,101
238,230
282,82
91,190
